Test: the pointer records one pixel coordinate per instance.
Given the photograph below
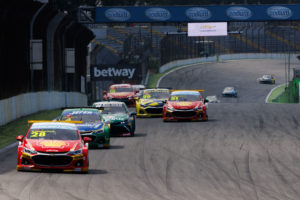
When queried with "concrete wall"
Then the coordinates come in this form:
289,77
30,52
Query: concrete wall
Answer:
219,58
25,104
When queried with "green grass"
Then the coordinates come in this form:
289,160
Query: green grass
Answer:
276,93
20,126
153,78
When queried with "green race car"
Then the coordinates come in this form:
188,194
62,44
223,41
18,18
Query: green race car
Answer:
122,123
93,125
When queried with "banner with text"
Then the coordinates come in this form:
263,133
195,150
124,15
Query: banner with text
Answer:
197,13
119,73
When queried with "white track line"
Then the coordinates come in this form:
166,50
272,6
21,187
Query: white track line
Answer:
266,99
173,70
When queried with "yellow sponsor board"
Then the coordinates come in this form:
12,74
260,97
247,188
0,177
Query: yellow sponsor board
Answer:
53,143
184,103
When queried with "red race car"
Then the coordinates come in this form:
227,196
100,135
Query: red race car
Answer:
185,105
53,145
121,92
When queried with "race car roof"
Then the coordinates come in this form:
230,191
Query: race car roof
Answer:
121,85
53,125
98,104
156,89
84,111
185,93
228,89
80,109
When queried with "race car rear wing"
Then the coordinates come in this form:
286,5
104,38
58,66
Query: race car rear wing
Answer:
39,121
187,90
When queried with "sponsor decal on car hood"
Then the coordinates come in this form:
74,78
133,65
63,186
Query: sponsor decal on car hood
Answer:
89,126
121,94
185,104
152,102
52,145
114,117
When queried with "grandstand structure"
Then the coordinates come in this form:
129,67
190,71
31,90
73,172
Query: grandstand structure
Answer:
129,42
165,43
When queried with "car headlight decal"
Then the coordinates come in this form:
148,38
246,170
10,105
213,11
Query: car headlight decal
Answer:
76,152
99,131
170,108
29,151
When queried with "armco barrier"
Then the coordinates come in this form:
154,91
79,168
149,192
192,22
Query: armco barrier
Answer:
25,104
219,58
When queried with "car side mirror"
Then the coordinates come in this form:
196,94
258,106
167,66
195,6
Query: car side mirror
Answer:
132,114
164,101
87,139
137,91
205,101
20,138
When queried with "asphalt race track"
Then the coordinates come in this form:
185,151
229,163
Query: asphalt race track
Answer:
248,150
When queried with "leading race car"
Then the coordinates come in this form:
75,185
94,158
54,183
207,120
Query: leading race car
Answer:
185,105
151,102
53,145
229,92
121,92
122,123
93,125
267,79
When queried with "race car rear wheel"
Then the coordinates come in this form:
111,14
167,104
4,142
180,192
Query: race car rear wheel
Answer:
131,133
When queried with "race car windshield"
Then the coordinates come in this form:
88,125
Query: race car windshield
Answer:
53,134
155,95
85,118
184,98
267,76
113,110
121,89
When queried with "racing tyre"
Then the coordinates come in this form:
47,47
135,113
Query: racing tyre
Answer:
132,130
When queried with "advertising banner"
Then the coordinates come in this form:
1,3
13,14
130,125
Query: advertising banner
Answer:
130,73
197,13
207,29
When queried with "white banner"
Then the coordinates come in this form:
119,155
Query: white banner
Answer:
207,29
36,54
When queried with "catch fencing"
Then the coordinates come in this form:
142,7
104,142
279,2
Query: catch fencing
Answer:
243,37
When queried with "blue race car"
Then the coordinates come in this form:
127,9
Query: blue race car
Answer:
229,92
93,125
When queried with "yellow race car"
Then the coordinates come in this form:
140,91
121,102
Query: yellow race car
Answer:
150,102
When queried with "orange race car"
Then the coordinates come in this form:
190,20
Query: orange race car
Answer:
53,145
185,105
121,92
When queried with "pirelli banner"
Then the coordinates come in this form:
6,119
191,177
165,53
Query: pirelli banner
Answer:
118,73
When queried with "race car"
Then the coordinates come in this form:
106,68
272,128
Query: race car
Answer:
138,87
53,145
151,102
229,92
267,79
121,92
122,123
185,105
93,125
212,99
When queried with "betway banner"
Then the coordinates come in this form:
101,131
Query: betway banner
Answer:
117,73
